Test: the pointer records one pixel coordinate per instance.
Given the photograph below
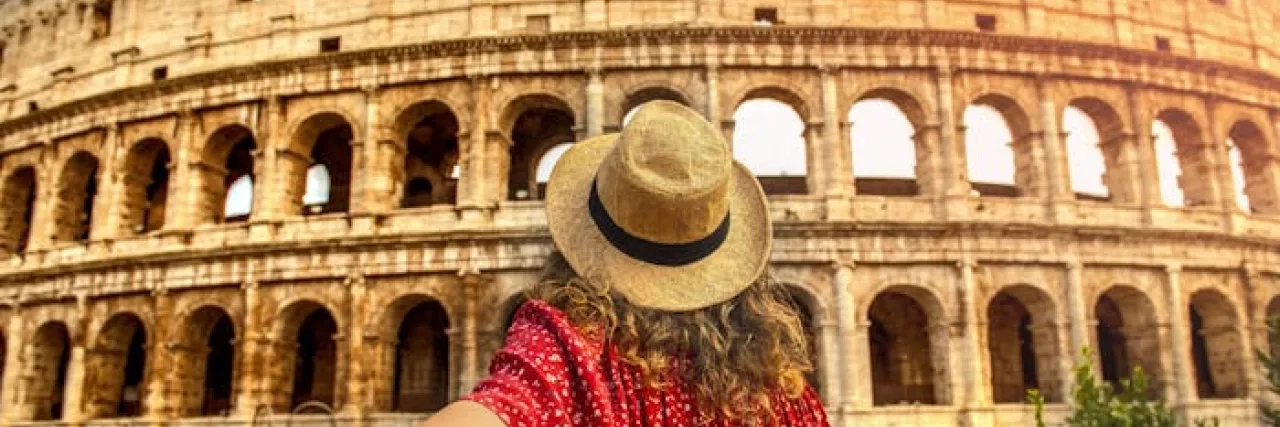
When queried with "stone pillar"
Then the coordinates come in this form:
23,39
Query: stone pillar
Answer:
108,212
712,77
267,188
835,154
1056,163
469,361
973,381
10,395
595,102
828,358
477,174
361,358
855,383
252,348
952,179
1031,175
1145,150
182,209
73,402
1081,325
1183,372
380,164
163,391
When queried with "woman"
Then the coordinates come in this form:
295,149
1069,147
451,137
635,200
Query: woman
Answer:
658,310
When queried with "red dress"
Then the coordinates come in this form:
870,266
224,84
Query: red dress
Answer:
551,375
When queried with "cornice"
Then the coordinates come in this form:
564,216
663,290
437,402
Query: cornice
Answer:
622,37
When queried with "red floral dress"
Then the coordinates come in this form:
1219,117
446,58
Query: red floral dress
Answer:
551,375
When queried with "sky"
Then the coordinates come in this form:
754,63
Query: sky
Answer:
768,138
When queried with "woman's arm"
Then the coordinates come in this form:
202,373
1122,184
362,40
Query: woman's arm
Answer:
464,413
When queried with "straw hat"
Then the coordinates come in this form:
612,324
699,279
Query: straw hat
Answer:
660,213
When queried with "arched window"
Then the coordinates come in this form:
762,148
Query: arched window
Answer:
989,155
768,138
1167,164
1123,315
315,360
548,163
77,190
48,357
431,162
15,222
119,390
884,149
1022,344
146,185
1251,168
239,202
421,381
646,95
1215,347
903,347
1236,161
1086,163
318,186
538,122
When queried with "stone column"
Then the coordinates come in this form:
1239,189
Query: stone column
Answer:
1031,175
10,395
163,392
1179,330
973,381
1145,150
182,209
476,180
108,212
1218,163
382,160
828,358
1056,162
73,402
595,103
361,358
855,382
1081,325
712,77
834,155
252,347
952,179
267,188
469,362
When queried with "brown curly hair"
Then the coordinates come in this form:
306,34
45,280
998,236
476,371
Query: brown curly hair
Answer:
741,350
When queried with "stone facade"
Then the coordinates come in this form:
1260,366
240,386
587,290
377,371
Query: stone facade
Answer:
129,295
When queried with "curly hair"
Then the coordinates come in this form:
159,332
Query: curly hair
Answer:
740,350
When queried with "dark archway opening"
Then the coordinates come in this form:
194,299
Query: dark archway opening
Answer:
422,360
432,161
316,359
536,130
219,369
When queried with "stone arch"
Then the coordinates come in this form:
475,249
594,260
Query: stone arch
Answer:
307,355
534,123
1217,348
780,92
778,158
1025,170
74,200
145,186
416,328
205,362
429,133
649,92
908,343
914,155
48,355
18,189
1022,341
1112,143
1196,176
812,316
116,368
230,154
1124,317
1253,168
322,141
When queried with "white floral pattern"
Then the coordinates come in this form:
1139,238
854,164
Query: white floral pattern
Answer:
549,374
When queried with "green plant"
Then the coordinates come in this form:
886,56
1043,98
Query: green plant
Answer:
1099,404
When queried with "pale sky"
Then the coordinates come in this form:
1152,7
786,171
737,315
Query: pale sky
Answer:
768,138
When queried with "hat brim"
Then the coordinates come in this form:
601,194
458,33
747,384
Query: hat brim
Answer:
739,261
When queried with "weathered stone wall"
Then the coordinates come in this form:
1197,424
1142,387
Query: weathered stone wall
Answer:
927,297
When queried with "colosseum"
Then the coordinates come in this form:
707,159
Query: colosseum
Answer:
323,212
